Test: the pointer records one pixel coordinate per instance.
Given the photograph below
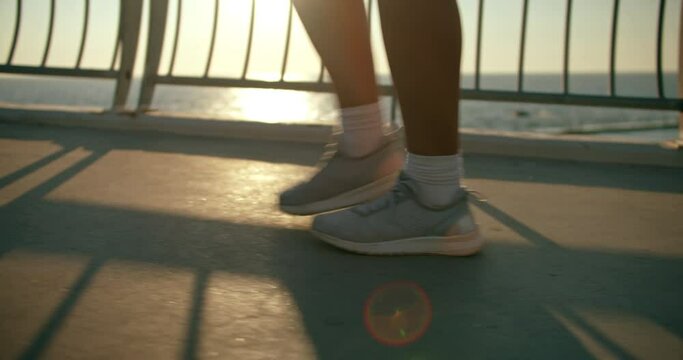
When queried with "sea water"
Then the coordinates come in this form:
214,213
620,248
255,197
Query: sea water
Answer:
284,106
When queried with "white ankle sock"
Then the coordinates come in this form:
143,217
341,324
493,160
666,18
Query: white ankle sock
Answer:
437,177
362,127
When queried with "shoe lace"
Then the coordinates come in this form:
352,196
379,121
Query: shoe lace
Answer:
400,191
329,152
331,149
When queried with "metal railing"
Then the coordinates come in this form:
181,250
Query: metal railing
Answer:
612,99
156,38
122,61
129,30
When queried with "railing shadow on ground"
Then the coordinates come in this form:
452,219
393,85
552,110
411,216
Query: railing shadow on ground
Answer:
105,140
492,305
478,166
489,305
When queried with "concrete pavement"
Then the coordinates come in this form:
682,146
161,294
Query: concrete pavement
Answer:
119,245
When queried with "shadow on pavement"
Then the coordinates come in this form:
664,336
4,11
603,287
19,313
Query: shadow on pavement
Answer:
658,179
492,305
500,304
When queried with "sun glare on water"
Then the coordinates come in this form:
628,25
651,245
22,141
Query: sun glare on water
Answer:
273,105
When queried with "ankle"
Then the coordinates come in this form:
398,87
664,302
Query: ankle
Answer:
362,129
437,178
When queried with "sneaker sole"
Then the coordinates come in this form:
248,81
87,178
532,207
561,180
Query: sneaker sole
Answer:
458,245
349,198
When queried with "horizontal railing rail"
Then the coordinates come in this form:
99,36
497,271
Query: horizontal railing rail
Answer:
122,60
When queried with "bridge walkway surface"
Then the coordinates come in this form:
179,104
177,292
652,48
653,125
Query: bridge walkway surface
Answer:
126,245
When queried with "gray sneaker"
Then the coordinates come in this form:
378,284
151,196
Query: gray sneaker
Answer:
345,181
397,224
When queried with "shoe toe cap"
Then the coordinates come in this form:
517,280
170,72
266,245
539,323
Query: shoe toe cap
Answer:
323,223
294,196
288,197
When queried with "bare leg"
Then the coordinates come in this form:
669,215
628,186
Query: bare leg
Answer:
366,161
423,43
339,31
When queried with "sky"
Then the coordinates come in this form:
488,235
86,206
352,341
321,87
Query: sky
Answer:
636,42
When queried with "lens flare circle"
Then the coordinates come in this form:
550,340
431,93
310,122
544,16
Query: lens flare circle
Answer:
397,313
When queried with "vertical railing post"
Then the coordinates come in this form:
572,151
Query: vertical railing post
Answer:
176,36
477,59
613,49
567,47
15,35
680,79
50,31
84,32
522,47
288,39
130,16
212,44
158,12
250,40
660,45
